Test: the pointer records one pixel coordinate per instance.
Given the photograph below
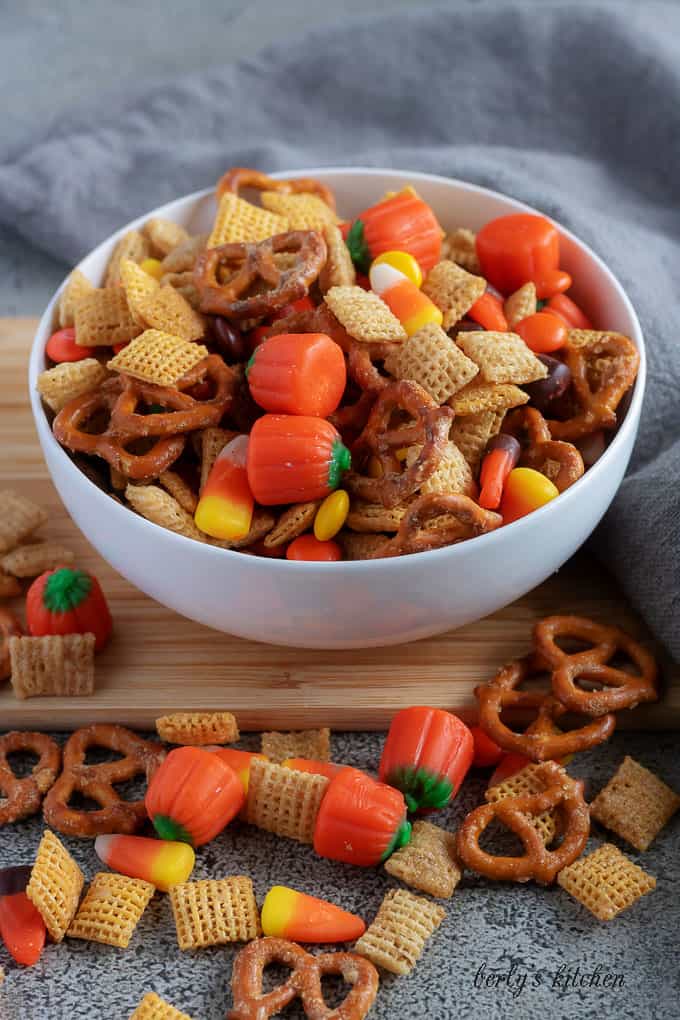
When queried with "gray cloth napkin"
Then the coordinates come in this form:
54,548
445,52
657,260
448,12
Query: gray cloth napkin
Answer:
573,109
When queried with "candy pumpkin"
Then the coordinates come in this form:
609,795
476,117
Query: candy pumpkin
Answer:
403,222
67,601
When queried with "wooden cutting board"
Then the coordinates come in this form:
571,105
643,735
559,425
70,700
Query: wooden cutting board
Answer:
158,662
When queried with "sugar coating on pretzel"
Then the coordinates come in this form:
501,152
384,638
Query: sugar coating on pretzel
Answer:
619,689
22,797
140,757
250,1002
249,266
239,177
562,793
559,461
542,739
9,627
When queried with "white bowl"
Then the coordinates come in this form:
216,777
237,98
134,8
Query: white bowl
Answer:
369,603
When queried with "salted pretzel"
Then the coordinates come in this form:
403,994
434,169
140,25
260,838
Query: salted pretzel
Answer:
563,794
9,627
304,982
140,757
22,797
243,177
457,518
249,266
542,739
427,426
619,688
601,373
561,462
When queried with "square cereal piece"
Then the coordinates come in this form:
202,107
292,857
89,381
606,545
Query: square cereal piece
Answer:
502,357
314,744
484,396
152,1007
63,383
58,664
396,938
452,475
162,509
167,310
284,801
262,523
364,315
158,357
77,286
526,781
338,270
428,862
182,259
358,546
520,304
198,728
238,220
303,211
472,432
214,912
453,290
102,319
367,518
164,235
55,885
292,523
111,909
605,882
19,518
432,359
460,246
132,245
32,560
635,804
138,285
178,488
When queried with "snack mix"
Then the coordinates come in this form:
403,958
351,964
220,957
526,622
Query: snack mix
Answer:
299,385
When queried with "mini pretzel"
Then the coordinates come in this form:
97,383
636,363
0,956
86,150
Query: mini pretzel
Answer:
599,399
622,690
97,782
249,265
304,981
23,797
9,627
561,462
242,177
428,426
562,793
542,739
465,519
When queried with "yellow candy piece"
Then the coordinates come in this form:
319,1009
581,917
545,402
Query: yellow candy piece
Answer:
525,490
222,518
331,515
152,267
403,262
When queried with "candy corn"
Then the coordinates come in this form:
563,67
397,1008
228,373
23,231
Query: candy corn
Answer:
289,914
318,768
413,308
22,929
239,761
225,509
160,862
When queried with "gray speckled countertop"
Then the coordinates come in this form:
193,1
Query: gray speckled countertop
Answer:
543,939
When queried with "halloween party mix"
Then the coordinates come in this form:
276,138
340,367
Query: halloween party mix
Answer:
296,384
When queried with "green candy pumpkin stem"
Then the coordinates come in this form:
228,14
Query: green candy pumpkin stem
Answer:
171,830
66,589
341,461
357,246
402,837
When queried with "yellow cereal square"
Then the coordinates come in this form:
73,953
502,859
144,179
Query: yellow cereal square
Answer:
526,781
364,315
215,912
338,270
396,938
63,383
284,801
138,285
102,319
606,882
315,744
55,885
485,396
167,310
520,304
164,235
198,728
472,432
158,357
452,475
502,357
303,211
238,220
152,1007
111,910
77,286
56,664
432,359
453,290
132,245
162,509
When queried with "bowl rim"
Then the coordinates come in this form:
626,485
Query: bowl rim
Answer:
516,529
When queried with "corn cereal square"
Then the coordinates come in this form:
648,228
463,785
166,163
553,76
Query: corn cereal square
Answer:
635,804
364,315
502,357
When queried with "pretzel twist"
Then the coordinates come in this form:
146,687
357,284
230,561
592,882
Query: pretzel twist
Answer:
140,757
22,797
540,451
542,739
563,794
9,627
304,981
242,177
458,517
249,266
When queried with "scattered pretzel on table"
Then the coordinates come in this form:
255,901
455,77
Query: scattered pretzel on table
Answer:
561,793
304,982
559,461
242,177
22,797
141,757
252,264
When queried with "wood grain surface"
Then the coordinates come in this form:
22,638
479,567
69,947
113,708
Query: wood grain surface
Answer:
159,662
